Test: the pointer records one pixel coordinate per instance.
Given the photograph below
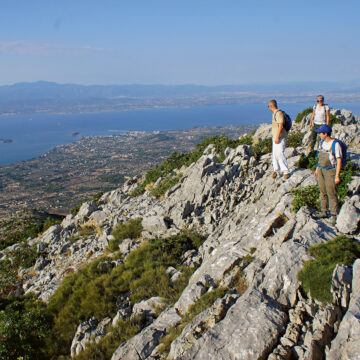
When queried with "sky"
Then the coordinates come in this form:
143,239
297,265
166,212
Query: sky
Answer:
208,42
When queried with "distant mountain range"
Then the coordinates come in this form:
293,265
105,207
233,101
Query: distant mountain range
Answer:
48,97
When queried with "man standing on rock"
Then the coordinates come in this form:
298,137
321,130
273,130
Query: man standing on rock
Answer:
279,140
328,173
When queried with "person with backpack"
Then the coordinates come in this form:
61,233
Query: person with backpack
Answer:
331,158
320,116
281,124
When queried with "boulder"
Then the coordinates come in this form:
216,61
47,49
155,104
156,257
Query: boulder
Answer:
86,209
154,225
87,332
349,217
52,234
147,309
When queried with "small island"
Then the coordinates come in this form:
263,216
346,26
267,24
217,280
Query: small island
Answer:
6,141
74,134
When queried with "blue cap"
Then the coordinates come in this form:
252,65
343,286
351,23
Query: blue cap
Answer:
324,129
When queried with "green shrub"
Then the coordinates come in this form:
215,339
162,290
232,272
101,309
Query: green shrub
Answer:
306,196
165,185
308,162
295,139
334,120
24,328
130,230
29,227
300,116
94,289
346,175
262,147
97,197
25,256
8,276
316,274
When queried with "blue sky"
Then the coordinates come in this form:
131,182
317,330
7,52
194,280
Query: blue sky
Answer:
206,42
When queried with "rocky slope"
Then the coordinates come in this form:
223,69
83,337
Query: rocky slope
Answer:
249,226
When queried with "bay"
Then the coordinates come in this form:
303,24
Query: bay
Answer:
33,135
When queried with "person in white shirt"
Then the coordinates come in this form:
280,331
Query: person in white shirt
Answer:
328,173
320,116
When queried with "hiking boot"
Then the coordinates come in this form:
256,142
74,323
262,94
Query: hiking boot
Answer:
321,215
332,220
274,175
286,176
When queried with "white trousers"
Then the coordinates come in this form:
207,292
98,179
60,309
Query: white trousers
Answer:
278,157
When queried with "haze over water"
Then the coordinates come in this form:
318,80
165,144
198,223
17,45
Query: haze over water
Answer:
36,134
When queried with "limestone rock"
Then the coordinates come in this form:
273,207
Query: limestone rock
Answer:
346,343
154,224
86,209
88,331
147,309
349,217
248,331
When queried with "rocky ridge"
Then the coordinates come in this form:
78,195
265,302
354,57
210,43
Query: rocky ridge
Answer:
242,212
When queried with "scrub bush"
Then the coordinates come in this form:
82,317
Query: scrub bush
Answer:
295,139
94,289
305,112
24,328
306,196
165,185
316,274
130,230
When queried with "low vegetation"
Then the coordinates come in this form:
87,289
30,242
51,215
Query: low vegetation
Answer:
21,228
130,230
24,327
165,185
306,196
305,112
94,289
316,274
295,139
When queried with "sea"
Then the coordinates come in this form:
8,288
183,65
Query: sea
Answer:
33,135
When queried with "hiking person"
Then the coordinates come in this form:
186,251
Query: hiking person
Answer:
328,172
320,116
279,134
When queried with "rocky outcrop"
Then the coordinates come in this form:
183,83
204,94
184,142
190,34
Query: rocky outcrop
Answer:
88,332
346,343
251,229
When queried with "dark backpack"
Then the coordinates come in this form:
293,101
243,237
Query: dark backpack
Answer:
287,121
343,150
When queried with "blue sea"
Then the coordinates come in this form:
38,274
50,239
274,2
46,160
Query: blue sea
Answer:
36,134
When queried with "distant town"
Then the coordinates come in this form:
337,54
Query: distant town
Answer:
68,174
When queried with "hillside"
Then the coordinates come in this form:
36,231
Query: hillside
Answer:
207,258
